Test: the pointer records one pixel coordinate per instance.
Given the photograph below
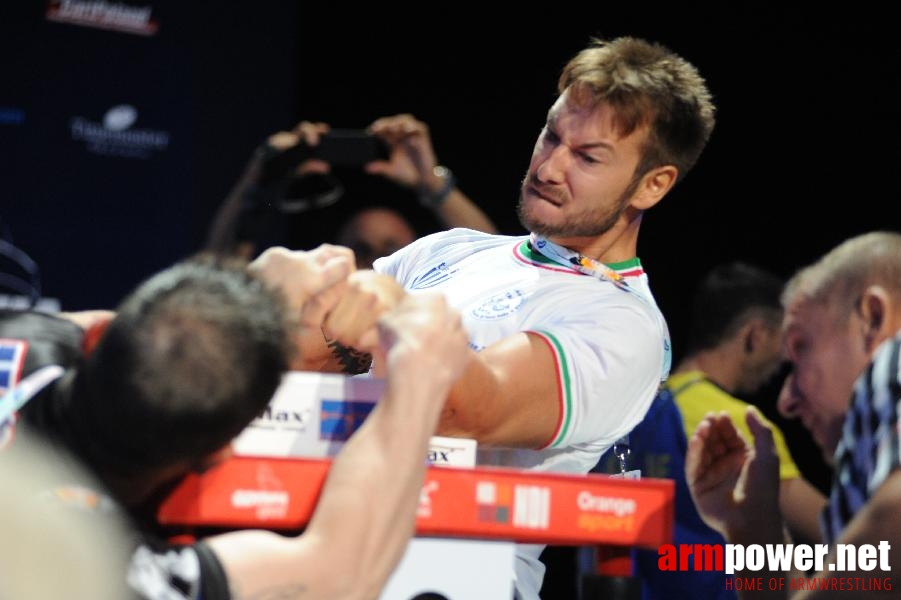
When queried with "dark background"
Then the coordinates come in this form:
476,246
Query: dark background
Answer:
805,152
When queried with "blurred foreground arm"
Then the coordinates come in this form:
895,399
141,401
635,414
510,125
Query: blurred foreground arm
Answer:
365,514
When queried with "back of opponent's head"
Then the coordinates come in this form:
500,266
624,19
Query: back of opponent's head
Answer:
191,357
729,296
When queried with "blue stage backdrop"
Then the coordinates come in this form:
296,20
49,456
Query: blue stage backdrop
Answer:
122,128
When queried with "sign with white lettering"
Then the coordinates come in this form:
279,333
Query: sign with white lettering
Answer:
313,414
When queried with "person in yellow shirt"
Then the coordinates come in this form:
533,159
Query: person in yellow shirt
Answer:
734,347
696,395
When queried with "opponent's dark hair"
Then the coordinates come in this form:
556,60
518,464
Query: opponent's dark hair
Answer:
191,357
727,298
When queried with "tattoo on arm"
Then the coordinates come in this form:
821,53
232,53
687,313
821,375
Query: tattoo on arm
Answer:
353,362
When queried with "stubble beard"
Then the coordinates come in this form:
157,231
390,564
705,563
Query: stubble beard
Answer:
590,222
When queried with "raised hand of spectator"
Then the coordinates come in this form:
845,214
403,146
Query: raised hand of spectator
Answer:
412,159
735,486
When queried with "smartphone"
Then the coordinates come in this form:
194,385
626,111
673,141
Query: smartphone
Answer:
350,148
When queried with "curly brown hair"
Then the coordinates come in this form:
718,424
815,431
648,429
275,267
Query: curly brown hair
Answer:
646,84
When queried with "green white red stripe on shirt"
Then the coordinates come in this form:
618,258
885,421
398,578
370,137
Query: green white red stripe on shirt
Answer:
564,388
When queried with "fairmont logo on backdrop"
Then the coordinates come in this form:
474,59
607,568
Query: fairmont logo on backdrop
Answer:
99,14
116,136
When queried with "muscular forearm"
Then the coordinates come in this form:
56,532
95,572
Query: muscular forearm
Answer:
507,397
379,508
365,514
372,491
224,229
369,501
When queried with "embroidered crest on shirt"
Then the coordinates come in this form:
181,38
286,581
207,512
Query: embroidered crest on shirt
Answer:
432,277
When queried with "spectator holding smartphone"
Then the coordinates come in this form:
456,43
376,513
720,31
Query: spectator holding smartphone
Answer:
310,150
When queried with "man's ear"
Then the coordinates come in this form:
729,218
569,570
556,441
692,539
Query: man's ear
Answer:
654,186
749,335
873,308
